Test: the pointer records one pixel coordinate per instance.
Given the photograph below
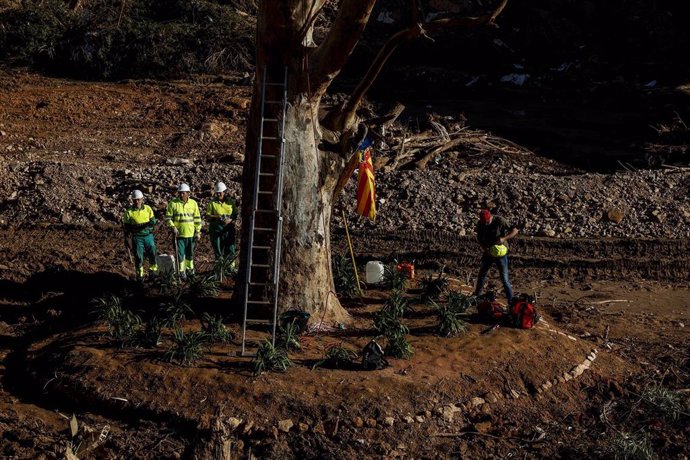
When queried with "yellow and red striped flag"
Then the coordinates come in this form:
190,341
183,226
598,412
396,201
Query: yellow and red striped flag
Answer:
366,187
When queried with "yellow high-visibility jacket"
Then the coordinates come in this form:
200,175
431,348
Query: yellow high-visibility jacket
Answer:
184,216
139,222
217,210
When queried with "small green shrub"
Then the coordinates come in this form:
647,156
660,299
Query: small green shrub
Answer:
344,277
225,267
666,403
395,308
450,322
204,286
459,302
393,278
270,358
397,345
150,335
123,325
187,348
214,328
288,338
629,446
174,311
432,288
169,284
337,356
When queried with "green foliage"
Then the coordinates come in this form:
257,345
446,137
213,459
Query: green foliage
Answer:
432,288
337,356
150,335
450,322
666,403
145,38
459,302
187,348
124,325
214,328
270,358
397,345
288,339
174,311
628,446
344,276
169,283
204,286
393,278
225,266
395,308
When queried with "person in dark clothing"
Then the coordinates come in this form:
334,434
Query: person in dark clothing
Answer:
492,233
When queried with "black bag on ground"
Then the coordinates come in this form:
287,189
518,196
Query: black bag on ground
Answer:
298,317
372,357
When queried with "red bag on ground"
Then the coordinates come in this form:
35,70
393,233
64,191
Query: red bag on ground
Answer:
523,313
491,312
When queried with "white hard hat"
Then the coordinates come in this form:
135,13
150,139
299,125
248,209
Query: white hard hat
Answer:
183,188
220,187
137,195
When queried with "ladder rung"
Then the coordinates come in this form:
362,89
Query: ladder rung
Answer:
273,102
261,266
261,284
265,210
268,155
272,138
258,321
273,120
260,302
266,174
265,192
264,229
261,247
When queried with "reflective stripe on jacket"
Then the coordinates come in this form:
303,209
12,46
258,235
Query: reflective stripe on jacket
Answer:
140,221
184,216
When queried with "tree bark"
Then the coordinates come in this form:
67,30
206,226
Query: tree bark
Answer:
309,175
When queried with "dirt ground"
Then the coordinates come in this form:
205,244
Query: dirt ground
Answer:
615,319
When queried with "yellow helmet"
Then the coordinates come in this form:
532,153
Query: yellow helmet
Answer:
498,250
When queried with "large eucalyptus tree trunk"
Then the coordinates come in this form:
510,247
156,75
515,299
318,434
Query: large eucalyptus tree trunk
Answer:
284,39
309,175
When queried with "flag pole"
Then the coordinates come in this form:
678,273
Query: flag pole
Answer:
352,254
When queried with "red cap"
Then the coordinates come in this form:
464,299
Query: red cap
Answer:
485,216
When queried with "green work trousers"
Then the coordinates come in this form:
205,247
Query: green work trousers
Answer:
223,241
144,248
185,254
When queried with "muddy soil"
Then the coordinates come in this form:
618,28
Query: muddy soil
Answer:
615,314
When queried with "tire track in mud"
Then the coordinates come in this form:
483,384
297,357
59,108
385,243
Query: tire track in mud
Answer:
659,260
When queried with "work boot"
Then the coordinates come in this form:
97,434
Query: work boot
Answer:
183,276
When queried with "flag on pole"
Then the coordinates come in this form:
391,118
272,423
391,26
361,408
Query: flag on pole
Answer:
366,190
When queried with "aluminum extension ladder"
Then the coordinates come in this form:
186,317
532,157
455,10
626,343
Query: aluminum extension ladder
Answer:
266,225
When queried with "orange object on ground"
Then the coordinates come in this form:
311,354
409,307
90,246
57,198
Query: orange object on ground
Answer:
407,269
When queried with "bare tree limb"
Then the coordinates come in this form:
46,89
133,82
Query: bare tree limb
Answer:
312,15
422,163
330,57
348,112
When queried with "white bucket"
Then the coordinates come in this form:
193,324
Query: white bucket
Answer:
374,272
166,264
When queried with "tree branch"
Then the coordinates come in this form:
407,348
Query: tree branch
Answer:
330,57
307,27
347,115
